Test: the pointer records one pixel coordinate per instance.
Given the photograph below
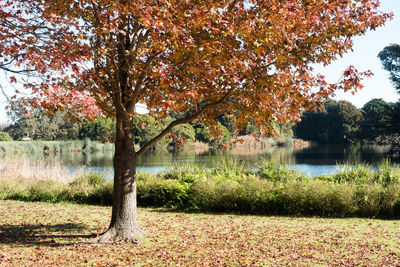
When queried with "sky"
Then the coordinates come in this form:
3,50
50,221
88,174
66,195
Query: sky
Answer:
363,57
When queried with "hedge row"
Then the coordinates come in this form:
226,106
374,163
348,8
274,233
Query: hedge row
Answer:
270,190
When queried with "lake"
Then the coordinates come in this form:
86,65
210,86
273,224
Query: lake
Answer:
313,161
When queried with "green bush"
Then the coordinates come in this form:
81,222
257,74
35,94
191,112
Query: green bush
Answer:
390,201
368,200
387,174
186,174
102,194
359,174
231,187
88,180
46,191
270,171
315,197
156,191
5,137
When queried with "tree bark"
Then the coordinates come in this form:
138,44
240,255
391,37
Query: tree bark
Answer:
124,225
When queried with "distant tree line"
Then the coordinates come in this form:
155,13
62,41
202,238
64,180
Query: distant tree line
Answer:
340,122
38,125
337,122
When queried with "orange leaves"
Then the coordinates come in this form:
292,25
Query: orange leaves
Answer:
182,56
351,79
143,125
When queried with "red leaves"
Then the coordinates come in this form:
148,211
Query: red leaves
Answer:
143,125
183,56
352,79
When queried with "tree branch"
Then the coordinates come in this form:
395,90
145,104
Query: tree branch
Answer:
15,71
182,121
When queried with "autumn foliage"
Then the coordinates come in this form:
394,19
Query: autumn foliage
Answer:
251,59
192,59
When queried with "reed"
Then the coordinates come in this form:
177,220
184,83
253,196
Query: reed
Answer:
27,171
32,147
230,187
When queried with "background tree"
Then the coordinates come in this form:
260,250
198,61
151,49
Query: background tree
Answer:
194,58
377,116
337,122
101,129
250,128
38,125
395,119
230,123
390,58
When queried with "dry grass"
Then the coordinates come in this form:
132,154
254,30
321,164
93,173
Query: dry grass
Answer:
248,143
29,172
197,147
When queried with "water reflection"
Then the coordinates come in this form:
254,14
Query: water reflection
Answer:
331,155
313,161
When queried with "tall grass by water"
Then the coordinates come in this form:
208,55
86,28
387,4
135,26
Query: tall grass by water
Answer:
270,189
31,147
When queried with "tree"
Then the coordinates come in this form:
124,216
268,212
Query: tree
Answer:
198,59
395,119
38,125
338,122
32,43
390,58
102,129
250,128
348,117
377,119
229,122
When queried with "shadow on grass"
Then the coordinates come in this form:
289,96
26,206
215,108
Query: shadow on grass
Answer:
44,235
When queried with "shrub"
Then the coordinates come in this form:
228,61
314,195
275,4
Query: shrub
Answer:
156,191
88,180
102,194
390,201
387,174
315,197
232,188
368,200
213,195
360,174
46,191
270,171
5,137
186,173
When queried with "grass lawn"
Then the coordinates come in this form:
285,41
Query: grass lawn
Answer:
42,234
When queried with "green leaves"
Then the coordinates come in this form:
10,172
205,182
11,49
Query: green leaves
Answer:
390,58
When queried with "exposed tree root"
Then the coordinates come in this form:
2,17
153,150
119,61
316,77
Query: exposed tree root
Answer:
112,235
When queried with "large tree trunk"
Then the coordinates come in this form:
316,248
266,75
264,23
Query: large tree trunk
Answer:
124,223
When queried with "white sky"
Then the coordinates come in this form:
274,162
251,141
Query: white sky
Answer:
363,57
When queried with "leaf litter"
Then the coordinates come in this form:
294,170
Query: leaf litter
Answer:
33,234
